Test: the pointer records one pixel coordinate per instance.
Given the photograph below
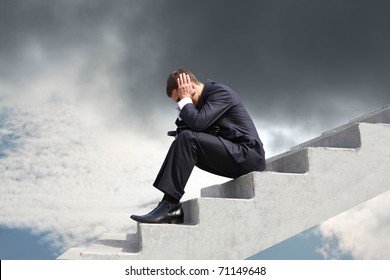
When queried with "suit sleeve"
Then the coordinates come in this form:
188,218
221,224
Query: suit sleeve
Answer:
180,123
217,103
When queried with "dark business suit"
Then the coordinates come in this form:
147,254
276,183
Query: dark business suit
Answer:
234,151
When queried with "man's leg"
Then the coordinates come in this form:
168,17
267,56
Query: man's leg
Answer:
213,157
189,149
194,149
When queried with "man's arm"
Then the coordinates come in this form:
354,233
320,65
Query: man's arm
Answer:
217,103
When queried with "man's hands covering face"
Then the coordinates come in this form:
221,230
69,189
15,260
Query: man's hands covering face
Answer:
185,86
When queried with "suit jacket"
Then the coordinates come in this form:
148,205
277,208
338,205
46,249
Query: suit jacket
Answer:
220,105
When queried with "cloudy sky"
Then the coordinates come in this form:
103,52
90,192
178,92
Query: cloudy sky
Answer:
84,115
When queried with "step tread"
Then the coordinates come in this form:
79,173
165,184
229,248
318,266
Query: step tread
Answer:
72,254
114,243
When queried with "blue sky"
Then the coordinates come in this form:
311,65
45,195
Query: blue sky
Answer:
22,244
303,246
83,111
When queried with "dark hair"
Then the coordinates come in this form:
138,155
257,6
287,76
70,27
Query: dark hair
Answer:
172,80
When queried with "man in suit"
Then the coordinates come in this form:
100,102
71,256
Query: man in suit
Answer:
215,133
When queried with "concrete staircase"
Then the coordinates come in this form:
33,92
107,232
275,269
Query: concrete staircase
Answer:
300,188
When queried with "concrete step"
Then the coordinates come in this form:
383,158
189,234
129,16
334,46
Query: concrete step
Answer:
113,246
72,254
345,136
296,160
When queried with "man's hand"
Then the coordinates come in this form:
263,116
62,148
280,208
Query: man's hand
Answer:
185,86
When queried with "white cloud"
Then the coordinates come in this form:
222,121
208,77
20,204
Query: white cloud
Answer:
279,138
67,174
362,232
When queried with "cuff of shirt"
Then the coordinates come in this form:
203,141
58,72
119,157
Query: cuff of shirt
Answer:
184,102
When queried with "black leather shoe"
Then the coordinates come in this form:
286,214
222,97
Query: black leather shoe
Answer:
164,213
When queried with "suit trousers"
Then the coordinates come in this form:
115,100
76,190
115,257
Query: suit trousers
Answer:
190,149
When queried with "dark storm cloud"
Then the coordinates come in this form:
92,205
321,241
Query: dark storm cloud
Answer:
55,26
60,29
111,38
294,62
290,60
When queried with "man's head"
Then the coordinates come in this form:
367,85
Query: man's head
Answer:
172,80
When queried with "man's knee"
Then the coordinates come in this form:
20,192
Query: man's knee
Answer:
186,143
186,135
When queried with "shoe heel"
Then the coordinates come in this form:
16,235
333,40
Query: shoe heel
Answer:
178,220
